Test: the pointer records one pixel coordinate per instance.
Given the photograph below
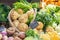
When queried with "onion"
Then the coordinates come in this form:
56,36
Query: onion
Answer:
4,33
17,38
10,38
22,35
11,30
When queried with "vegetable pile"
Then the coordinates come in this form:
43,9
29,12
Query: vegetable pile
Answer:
45,22
49,15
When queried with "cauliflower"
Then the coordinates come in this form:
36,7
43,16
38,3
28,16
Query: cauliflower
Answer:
51,7
16,22
20,11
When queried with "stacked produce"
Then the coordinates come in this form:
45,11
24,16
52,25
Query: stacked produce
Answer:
31,24
4,10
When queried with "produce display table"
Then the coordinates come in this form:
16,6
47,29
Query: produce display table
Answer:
29,20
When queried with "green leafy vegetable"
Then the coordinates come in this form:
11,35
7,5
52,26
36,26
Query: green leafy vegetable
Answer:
31,33
4,10
29,38
23,4
35,5
57,8
30,18
23,1
45,18
57,17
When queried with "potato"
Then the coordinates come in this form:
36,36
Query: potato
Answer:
11,30
15,34
17,38
10,38
22,35
14,15
23,18
40,26
20,11
22,27
16,22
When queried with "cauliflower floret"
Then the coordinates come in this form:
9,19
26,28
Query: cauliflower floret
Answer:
45,36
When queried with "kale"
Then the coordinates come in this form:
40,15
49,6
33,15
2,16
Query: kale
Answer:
45,17
4,10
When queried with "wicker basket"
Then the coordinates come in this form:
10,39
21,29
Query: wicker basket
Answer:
10,20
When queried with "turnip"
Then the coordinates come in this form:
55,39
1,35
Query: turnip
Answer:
4,33
22,35
11,30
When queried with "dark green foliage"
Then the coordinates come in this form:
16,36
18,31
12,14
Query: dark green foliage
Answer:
4,10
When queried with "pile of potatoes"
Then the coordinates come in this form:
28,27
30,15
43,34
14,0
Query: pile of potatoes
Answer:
20,19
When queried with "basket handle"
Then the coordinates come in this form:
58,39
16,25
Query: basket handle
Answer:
10,21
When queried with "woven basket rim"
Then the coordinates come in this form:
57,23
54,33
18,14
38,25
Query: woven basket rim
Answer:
10,20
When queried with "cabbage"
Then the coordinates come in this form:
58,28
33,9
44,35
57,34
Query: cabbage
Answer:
51,7
29,38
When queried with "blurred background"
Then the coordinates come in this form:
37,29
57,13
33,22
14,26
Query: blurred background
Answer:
10,2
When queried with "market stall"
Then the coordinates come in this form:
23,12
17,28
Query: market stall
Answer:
30,20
